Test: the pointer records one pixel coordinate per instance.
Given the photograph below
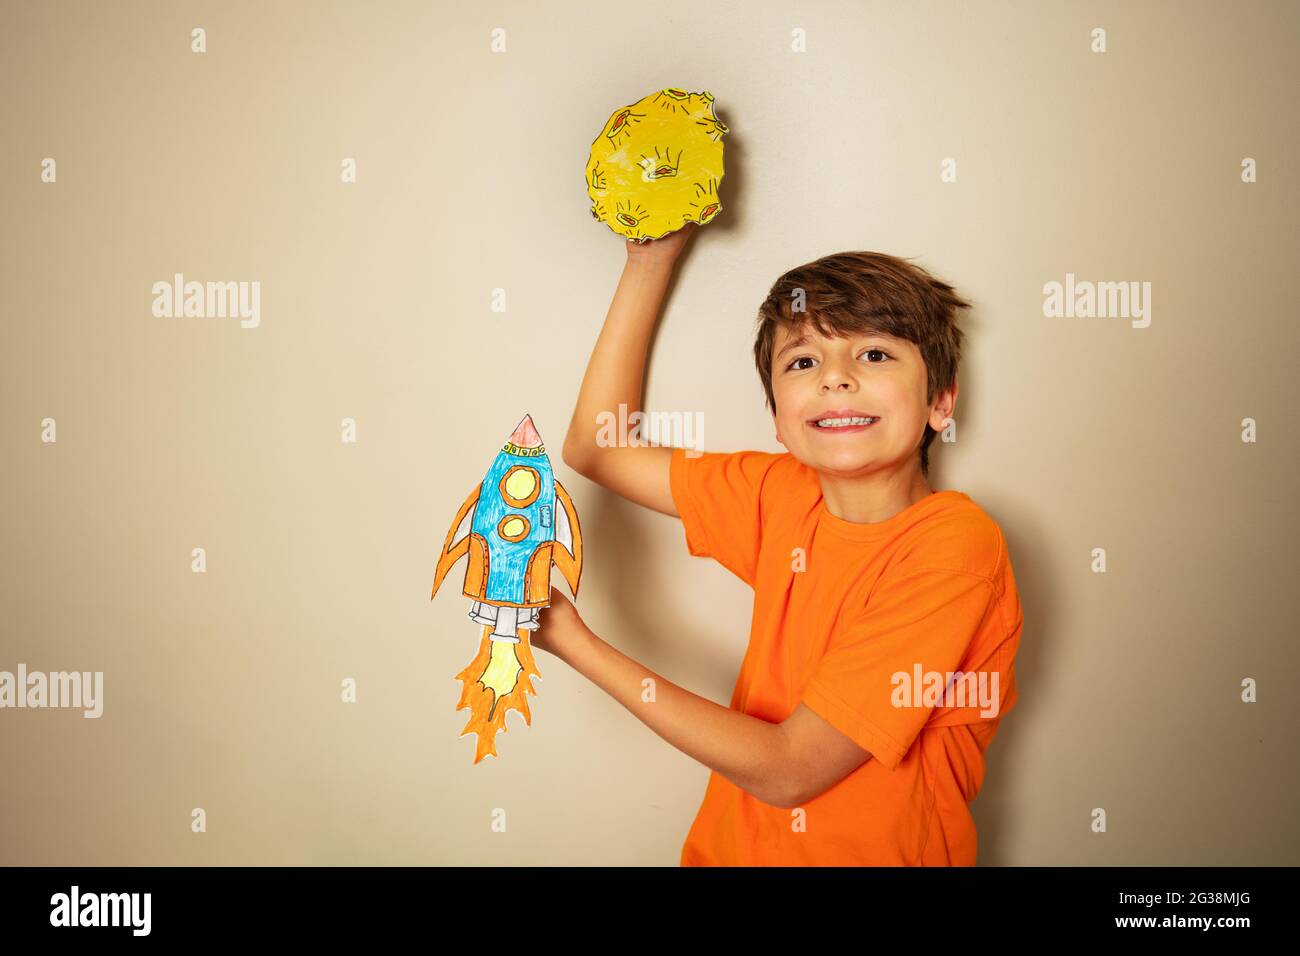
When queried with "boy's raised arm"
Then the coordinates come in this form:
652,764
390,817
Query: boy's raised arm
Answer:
615,374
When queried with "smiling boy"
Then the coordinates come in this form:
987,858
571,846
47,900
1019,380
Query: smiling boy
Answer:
866,582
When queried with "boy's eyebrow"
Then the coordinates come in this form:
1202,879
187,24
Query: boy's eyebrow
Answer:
800,339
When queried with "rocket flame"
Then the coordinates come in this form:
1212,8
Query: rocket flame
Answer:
496,681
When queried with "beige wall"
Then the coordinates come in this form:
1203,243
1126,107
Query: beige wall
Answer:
222,689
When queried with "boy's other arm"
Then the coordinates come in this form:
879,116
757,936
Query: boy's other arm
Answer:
784,765
615,375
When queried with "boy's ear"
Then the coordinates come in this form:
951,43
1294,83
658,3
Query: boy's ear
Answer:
944,406
777,426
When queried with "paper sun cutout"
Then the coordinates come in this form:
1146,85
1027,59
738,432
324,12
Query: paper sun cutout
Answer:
513,526
657,165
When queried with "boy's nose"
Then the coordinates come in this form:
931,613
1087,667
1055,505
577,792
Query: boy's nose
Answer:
836,374
835,379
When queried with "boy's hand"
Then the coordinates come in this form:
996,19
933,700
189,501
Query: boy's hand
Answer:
561,630
663,250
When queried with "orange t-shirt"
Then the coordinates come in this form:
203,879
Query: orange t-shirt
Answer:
901,634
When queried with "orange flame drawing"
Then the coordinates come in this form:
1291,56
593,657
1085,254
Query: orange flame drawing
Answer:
487,704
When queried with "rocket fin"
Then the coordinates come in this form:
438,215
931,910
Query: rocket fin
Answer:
568,539
459,533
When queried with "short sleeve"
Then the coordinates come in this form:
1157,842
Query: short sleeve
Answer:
718,496
870,685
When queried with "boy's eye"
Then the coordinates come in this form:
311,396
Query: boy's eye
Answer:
795,366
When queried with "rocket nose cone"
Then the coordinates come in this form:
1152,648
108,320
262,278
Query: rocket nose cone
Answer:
525,434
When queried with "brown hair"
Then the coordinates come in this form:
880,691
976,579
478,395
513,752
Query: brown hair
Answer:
853,293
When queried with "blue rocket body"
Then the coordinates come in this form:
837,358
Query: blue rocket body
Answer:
513,528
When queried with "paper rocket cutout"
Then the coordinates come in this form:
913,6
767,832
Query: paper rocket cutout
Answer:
657,165
513,527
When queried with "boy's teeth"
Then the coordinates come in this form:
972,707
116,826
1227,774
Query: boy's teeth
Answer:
839,422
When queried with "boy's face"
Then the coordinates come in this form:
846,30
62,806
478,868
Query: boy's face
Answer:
815,378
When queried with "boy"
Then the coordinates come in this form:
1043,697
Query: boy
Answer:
886,618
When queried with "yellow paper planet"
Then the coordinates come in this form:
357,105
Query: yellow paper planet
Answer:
657,165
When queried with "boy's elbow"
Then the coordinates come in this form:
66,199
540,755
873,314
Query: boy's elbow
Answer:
798,791
572,455
800,784
789,796
783,798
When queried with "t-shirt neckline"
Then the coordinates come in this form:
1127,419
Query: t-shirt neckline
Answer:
877,530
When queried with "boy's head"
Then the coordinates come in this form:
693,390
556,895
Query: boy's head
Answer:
859,332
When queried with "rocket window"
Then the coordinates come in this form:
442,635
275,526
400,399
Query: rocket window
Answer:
520,486
513,527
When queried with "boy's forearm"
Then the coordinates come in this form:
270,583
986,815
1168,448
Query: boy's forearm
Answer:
748,751
616,369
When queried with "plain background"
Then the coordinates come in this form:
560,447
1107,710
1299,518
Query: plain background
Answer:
223,689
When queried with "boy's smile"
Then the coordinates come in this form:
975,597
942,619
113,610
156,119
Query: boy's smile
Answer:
854,409
842,421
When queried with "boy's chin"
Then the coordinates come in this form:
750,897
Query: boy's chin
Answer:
844,463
